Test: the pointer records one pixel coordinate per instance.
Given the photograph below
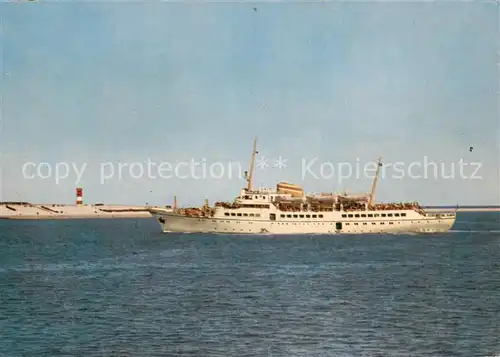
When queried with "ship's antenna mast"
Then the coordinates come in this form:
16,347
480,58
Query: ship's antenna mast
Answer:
252,164
374,186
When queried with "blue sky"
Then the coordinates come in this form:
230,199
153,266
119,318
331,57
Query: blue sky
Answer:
127,82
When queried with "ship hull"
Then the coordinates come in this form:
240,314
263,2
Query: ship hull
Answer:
171,222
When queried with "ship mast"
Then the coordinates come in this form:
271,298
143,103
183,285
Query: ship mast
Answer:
252,163
374,186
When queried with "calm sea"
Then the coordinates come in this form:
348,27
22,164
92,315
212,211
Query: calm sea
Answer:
122,288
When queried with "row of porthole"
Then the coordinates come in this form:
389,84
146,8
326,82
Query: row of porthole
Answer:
302,223
373,223
241,230
242,214
310,223
370,215
356,223
215,221
301,216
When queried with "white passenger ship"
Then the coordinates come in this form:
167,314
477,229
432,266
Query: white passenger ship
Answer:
288,210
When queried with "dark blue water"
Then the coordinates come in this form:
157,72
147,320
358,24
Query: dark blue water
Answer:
122,288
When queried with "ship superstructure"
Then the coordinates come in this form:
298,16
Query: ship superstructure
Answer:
289,210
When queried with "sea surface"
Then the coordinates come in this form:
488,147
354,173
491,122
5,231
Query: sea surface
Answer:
123,288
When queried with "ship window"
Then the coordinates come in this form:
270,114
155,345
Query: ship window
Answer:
257,215
247,198
389,214
245,214
263,197
383,214
320,215
344,216
396,214
233,214
376,215
255,206
347,224
288,216
282,216
238,214
364,224
382,223
314,216
374,223
308,216
391,223
370,215
226,214
356,215
403,214
256,197
301,216
251,214
363,215
356,223
350,216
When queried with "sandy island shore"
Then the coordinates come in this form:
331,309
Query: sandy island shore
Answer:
29,211
465,209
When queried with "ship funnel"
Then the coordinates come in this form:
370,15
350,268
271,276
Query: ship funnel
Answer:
289,188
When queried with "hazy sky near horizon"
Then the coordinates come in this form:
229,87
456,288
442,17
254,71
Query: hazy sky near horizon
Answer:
94,83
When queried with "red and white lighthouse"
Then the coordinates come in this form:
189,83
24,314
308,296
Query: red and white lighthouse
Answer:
79,196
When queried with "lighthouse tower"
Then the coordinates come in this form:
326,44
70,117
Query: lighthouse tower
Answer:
79,196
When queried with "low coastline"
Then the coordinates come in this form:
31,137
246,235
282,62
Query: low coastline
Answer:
31,211
463,209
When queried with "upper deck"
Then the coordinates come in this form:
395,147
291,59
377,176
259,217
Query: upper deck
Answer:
290,199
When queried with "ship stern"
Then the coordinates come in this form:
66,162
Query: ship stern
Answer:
439,221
